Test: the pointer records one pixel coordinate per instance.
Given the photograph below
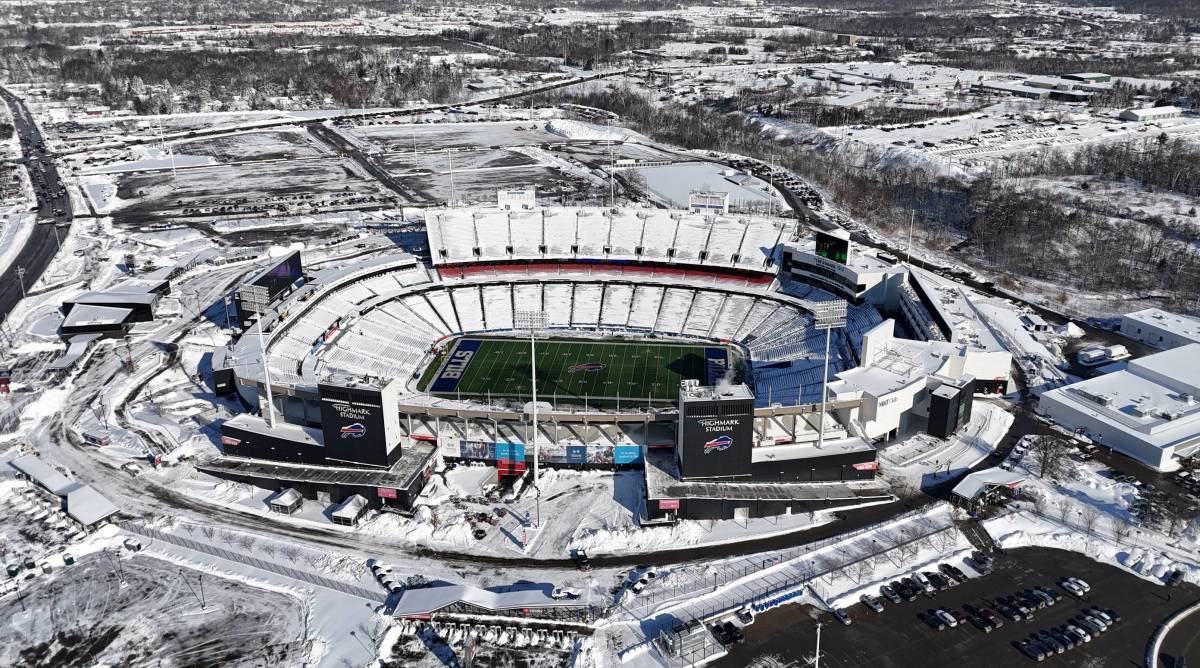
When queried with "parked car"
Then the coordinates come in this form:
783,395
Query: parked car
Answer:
981,623
890,594
841,616
1031,650
1174,578
939,583
932,620
1072,588
953,572
871,602
1100,614
1050,642
1051,593
1081,584
1007,610
745,616
922,582
722,635
1079,631
1062,638
946,617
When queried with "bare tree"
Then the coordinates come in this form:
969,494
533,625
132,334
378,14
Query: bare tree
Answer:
229,538
1064,510
247,542
1049,453
1089,516
209,532
269,549
291,553
190,528
1120,528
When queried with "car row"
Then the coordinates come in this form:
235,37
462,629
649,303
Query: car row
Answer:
1077,631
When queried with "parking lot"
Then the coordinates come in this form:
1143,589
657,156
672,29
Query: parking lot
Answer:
896,637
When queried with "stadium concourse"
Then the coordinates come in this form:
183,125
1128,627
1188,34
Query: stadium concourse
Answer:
366,374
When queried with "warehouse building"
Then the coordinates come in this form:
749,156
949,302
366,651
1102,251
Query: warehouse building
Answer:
1150,114
1161,329
1148,411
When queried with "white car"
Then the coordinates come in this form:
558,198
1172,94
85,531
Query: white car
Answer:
1072,588
1087,637
1081,584
946,617
639,586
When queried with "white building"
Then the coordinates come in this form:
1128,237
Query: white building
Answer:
1148,411
861,278
895,381
1150,114
1161,329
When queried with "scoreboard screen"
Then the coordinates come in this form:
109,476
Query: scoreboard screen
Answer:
833,248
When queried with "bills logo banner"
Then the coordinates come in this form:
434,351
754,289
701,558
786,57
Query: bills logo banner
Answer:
586,367
718,444
355,430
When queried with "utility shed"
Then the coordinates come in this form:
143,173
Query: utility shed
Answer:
286,502
350,511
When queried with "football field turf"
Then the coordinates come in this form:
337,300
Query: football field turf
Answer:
574,369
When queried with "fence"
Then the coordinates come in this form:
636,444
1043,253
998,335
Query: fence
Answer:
254,562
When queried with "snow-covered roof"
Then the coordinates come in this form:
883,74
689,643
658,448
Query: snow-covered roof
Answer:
42,473
351,507
1154,399
426,600
1179,325
975,483
742,242
287,497
87,506
84,504
955,308
90,314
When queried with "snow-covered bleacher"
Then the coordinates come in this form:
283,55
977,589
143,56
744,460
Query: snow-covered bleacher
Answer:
567,233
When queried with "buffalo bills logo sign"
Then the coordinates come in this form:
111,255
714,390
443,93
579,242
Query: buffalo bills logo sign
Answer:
587,367
718,444
355,430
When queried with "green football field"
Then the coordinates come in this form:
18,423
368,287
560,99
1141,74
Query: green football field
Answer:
574,369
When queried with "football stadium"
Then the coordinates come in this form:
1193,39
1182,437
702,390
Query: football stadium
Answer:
698,348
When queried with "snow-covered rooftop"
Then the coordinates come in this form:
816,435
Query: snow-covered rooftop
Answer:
1180,325
974,484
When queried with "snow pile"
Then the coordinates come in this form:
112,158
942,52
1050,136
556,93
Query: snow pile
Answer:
588,131
1022,529
424,530
1073,331
633,539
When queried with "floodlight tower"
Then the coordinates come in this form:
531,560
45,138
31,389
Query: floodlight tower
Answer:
827,316
533,321
266,365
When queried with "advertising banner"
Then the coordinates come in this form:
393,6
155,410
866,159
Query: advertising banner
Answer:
627,454
668,504
352,421
510,451
866,466
386,493
477,450
577,454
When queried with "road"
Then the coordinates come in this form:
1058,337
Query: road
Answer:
493,99
43,241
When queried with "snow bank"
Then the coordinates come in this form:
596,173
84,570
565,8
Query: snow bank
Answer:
577,130
634,539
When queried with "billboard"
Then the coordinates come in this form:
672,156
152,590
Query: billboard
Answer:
354,424
716,446
833,247
386,493
668,504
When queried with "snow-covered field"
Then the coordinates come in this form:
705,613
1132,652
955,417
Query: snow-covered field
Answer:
924,460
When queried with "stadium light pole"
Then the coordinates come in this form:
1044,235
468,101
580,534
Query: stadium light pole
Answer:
262,349
533,321
827,316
